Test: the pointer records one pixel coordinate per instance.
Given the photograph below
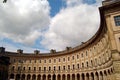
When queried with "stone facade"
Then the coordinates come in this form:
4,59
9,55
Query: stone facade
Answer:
96,59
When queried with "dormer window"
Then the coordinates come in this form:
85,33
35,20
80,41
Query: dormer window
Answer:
117,20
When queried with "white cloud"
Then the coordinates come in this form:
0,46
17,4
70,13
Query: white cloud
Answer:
78,2
23,20
72,25
73,2
13,48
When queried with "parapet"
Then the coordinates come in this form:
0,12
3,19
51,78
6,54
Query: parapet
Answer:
107,2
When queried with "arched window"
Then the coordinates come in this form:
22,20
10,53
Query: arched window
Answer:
68,58
82,55
54,68
77,56
87,64
44,61
40,61
49,68
19,61
29,68
82,65
99,60
59,68
35,61
23,68
39,68
91,63
59,60
86,53
30,61
50,61
18,68
24,61
78,66
95,62
103,60
63,67
54,60
73,57
13,67
64,59
44,68
68,67
34,68
94,48
73,66
14,60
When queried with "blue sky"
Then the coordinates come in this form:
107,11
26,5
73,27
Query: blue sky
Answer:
56,6
90,2
55,24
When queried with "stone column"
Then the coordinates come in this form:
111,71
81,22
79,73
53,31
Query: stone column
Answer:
70,77
95,77
36,77
85,77
61,77
46,77
107,77
66,77
75,76
51,77
100,77
56,77
15,78
31,77
90,78
25,77
41,77
80,77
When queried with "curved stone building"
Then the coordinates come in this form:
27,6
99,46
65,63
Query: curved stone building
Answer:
96,59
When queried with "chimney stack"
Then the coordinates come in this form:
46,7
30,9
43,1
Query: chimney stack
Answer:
52,51
19,51
36,51
2,50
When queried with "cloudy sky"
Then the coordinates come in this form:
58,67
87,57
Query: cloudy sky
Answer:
47,24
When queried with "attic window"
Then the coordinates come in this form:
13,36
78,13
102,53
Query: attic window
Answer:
117,20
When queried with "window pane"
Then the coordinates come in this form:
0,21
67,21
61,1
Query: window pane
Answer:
117,20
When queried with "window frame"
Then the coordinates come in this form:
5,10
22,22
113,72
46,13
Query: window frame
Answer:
117,20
